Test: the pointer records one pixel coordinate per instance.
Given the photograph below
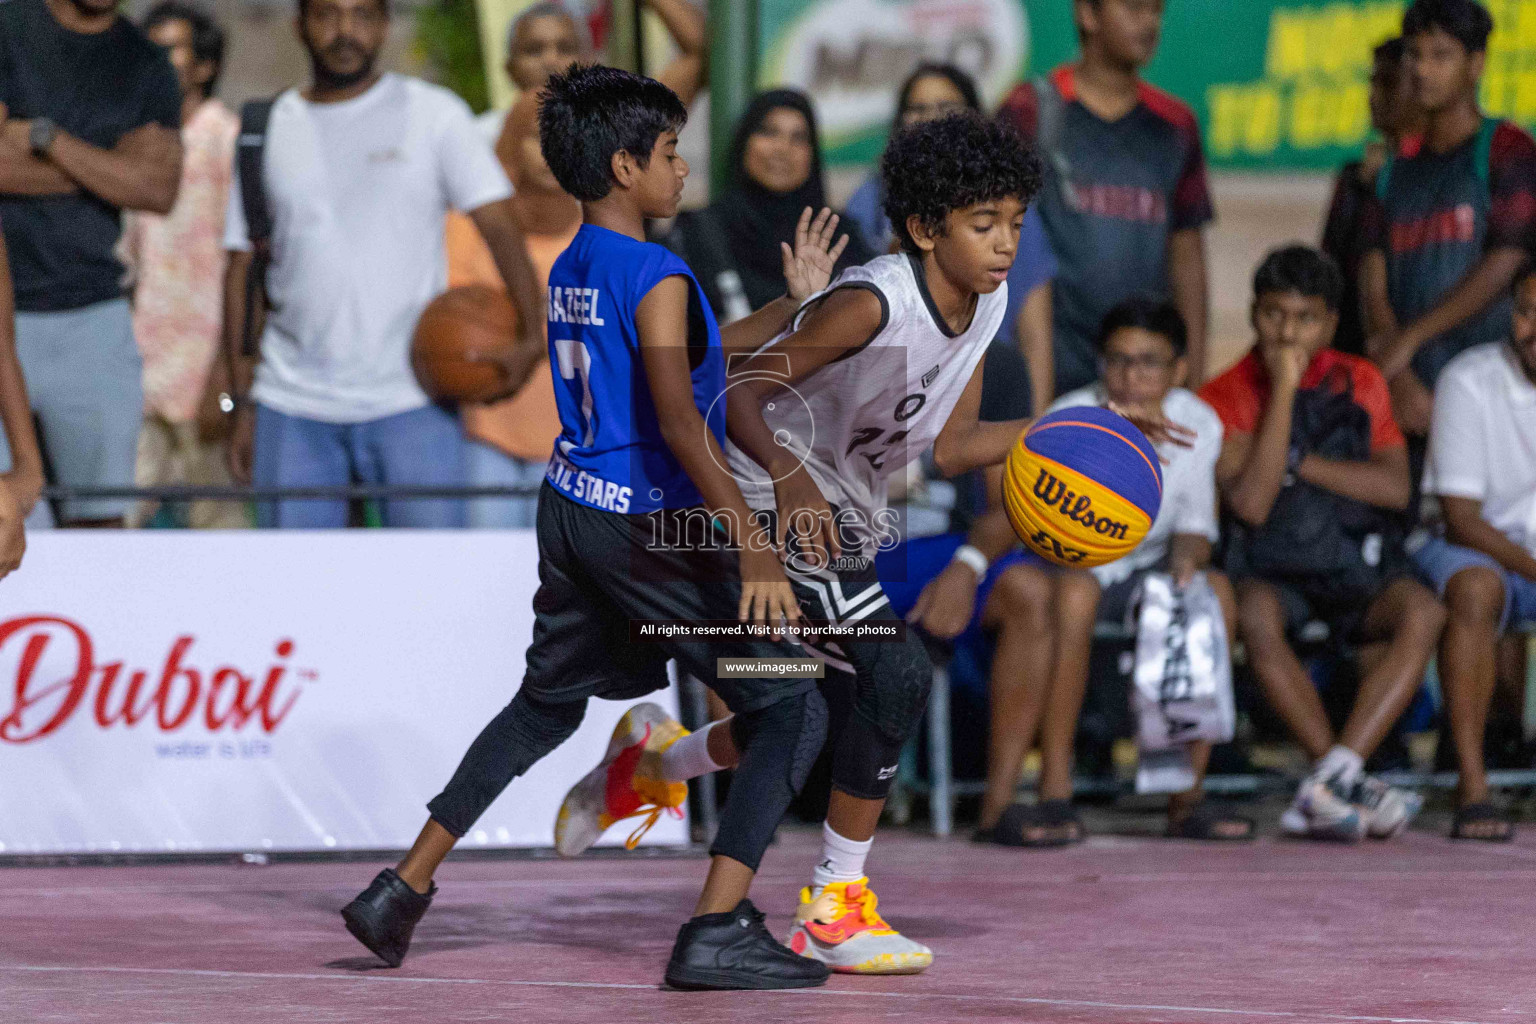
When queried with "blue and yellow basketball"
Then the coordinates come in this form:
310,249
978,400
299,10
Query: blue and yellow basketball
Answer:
1082,487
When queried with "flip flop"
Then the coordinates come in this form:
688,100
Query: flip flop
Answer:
1055,821
1477,814
1204,823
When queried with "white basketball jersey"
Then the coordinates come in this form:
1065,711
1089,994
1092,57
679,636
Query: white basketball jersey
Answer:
861,418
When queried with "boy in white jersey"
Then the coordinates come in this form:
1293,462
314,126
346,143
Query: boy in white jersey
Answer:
872,372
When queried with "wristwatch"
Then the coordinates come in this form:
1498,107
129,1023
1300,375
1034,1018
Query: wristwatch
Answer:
42,134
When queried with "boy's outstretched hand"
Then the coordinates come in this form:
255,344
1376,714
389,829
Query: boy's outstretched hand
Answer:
1155,425
808,266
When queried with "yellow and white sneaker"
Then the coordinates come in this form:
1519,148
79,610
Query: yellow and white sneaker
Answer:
841,927
627,783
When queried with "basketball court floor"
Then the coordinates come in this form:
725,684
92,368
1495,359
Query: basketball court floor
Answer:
1120,930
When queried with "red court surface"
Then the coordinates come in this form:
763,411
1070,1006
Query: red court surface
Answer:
1120,929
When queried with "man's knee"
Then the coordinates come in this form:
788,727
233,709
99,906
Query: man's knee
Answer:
1475,597
1260,614
1078,593
1422,617
1021,597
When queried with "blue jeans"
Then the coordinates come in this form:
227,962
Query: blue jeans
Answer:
489,466
423,447
1439,560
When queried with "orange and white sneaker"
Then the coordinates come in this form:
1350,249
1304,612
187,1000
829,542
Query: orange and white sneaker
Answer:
841,927
627,783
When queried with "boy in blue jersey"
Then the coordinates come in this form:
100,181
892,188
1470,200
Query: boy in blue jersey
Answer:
639,385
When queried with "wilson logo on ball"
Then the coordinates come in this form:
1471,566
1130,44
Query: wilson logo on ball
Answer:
1082,487
1077,507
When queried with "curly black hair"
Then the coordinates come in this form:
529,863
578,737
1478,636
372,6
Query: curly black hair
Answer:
934,167
1301,269
590,113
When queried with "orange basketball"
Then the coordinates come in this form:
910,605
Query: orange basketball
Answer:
458,340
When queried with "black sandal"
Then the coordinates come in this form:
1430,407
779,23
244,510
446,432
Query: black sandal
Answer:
1054,822
1481,813
1204,823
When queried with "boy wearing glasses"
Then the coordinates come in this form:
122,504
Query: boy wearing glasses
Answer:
1038,684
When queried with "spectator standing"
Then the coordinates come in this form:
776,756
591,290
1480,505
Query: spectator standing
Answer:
733,245
546,39
176,266
1454,219
21,485
359,171
92,113
1125,198
934,90
1482,467
1312,470
510,441
1395,118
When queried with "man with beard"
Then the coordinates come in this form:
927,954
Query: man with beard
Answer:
89,118
358,171
1482,468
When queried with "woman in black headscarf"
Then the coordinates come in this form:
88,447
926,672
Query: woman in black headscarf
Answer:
733,244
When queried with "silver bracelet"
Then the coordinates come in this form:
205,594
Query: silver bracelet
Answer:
972,556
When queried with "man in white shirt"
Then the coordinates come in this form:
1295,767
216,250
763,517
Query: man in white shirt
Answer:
1482,467
359,171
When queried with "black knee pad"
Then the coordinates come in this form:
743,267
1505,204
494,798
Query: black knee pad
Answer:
778,746
891,693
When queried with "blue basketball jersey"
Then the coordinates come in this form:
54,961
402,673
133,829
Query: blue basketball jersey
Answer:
610,454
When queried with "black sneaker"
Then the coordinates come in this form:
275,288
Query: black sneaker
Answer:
384,915
735,951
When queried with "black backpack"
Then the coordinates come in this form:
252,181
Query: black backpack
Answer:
1312,531
250,150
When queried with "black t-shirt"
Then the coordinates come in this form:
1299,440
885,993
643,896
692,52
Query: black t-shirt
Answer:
97,88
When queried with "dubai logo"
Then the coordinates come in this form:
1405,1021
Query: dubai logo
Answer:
57,674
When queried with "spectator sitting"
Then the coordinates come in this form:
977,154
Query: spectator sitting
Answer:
933,90
1454,219
1125,197
1395,118
1482,467
360,171
1040,686
546,39
510,441
1312,469
93,110
176,265
733,245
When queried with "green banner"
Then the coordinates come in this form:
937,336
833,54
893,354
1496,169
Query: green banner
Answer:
1276,84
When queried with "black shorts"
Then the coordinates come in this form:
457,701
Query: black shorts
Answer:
1340,601
599,570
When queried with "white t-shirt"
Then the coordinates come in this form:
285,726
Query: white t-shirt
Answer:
1482,439
1189,479
358,191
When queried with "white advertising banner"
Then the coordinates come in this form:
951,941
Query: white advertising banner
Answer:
250,691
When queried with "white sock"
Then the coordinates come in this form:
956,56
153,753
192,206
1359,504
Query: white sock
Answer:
842,860
1341,763
689,758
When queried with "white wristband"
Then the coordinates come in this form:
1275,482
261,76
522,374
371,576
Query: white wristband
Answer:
972,557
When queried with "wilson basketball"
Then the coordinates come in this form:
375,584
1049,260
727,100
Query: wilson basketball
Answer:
459,336
1082,487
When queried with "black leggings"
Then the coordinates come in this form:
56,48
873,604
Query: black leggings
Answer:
779,744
